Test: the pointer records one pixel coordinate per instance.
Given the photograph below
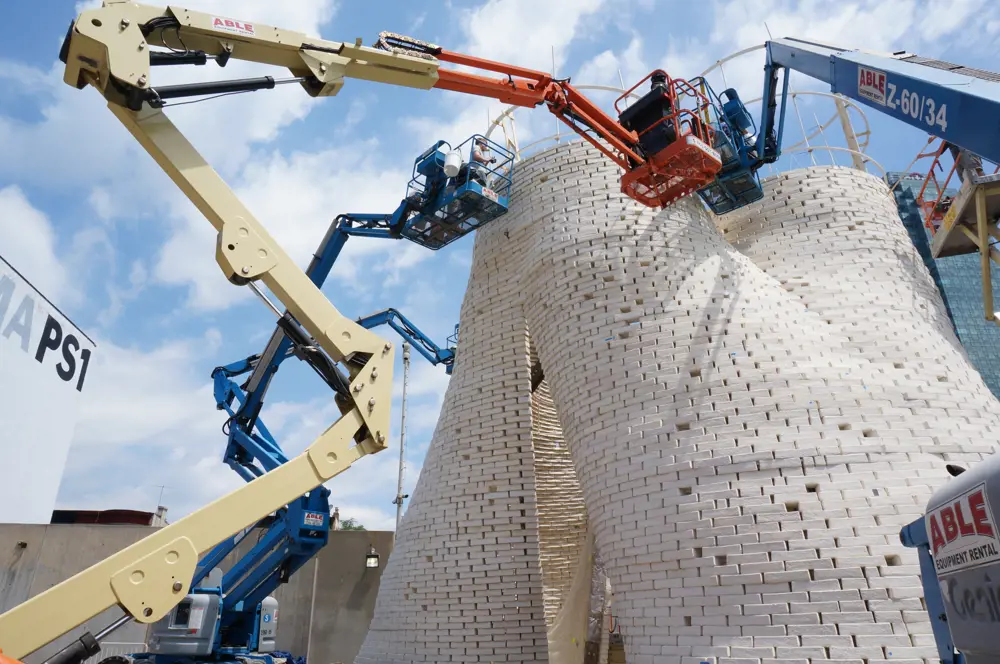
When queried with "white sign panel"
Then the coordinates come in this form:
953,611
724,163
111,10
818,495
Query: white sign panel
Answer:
44,360
963,533
871,84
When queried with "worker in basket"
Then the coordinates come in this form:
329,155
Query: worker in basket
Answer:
479,168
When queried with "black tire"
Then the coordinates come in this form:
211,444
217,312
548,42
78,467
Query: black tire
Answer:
116,659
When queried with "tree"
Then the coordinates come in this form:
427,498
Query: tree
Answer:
351,524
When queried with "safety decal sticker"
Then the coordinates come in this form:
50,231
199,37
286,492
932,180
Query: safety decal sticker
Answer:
313,519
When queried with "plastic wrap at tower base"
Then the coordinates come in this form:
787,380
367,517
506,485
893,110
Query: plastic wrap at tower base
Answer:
753,406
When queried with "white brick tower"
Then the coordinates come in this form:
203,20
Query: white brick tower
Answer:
749,430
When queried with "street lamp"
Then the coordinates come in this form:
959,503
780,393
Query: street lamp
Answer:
371,560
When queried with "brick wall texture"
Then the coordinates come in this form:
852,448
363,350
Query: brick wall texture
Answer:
753,405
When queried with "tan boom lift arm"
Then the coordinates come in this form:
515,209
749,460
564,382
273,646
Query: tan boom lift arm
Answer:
109,48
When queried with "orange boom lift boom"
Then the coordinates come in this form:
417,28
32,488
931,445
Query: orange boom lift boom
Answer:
661,141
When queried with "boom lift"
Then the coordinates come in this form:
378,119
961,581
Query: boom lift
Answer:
958,546
664,150
236,617
448,197
952,102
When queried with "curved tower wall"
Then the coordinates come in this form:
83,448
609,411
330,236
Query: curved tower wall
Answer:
464,582
747,452
833,239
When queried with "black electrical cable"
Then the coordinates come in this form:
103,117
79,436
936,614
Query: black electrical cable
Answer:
198,101
161,24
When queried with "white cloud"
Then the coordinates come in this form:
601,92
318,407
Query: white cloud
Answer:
418,22
29,243
524,32
870,24
147,418
102,203
614,69
175,390
603,68
118,296
296,198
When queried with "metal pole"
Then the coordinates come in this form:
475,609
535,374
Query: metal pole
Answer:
553,77
984,253
402,438
852,138
805,136
312,608
833,161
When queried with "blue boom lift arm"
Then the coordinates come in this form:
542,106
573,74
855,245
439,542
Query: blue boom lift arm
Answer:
914,536
955,103
397,321
297,532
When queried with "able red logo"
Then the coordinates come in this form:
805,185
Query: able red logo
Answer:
962,532
229,25
871,84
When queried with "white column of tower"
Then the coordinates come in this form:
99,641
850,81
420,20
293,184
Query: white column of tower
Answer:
463,583
746,465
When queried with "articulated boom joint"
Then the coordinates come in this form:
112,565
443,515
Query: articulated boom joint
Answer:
241,253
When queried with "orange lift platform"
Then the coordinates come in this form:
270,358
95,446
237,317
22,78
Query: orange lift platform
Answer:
662,141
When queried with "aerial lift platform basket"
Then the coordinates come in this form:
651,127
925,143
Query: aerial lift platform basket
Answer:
447,208
670,122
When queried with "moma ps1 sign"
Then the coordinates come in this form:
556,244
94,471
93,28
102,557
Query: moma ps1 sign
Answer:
44,360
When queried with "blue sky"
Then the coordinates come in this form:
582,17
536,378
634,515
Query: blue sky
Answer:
90,219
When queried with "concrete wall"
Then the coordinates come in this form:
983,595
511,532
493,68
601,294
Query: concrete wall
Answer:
51,555
344,598
752,413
